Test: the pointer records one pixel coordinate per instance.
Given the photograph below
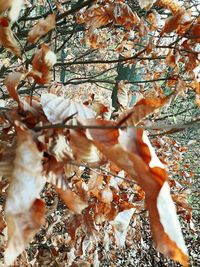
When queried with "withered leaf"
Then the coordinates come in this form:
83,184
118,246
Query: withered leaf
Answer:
42,27
43,61
72,200
134,154
24,211
143,108
57,109
6,37
11,82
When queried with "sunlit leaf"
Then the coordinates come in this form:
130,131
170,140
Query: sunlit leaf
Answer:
42,27
43,61
24,211
14,5
72,201
143,108
120,225
6,37
147,4
134,154
58,109
11,82
84,150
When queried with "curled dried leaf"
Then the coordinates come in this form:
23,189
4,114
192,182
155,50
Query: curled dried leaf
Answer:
43,61
143,108
134,154
147,4
14,5
7,38
84,150
42,27
72,201
24,212
57,109
12,81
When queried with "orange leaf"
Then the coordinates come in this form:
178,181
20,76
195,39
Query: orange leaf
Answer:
143,108
134,154
43,61
24,212
14,5
42,27
172,23
72,201
12,81
84,150
194,32
6,37
172,5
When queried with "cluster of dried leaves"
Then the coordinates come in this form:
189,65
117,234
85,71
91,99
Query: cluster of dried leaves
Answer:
52,139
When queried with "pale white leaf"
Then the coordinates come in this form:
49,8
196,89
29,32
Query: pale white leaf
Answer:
120,225
147,4
168,217
25,187
57,108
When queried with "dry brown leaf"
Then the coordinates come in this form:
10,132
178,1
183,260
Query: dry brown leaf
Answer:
14,5
134,154
11,82
120,225
84,150
42,27
172,5
2,223
123,95
5,4
172,23
24,212
194,32
6,37
72,201
43,61
57,109
143,108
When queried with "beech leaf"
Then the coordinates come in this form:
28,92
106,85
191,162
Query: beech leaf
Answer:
142,109
84,150
147,4
14,5
6,37
57,108
43,61
120,225
42,27
24,211
12,81
134,154
72,201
